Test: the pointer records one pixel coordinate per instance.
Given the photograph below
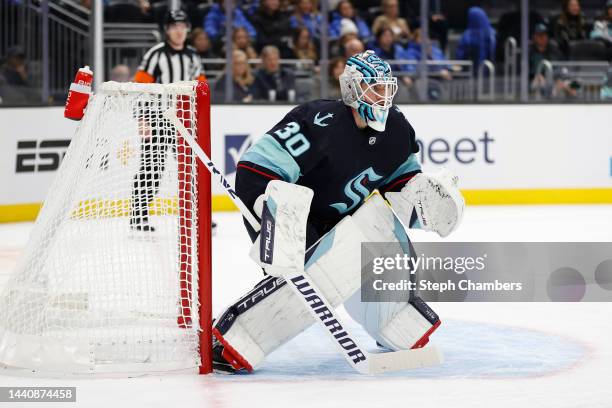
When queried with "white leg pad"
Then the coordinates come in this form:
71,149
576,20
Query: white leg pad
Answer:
397,326
334,266
404,329
279,317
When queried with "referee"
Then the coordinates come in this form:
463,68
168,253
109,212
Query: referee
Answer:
166,62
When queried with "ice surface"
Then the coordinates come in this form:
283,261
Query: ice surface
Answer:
497,354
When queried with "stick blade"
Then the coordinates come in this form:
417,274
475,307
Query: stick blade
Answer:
405,360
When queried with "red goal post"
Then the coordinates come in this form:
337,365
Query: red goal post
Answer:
205,211
204,200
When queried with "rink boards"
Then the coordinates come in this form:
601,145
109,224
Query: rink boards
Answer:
503,154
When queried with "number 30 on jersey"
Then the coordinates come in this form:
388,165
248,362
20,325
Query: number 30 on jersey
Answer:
295,141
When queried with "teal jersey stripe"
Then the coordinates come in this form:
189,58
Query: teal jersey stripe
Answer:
268,153
271,204
410,165
323,246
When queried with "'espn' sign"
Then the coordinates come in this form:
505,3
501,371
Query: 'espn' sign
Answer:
44,155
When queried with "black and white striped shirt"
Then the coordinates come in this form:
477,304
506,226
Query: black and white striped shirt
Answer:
163,64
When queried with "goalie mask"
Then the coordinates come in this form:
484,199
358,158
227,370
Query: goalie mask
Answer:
368,86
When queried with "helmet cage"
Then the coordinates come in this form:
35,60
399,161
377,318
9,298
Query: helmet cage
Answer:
375,92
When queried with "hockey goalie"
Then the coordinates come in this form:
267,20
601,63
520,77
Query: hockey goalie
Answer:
343,151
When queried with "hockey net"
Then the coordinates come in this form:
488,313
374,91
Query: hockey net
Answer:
98,290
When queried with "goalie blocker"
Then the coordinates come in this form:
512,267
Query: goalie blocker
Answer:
271,314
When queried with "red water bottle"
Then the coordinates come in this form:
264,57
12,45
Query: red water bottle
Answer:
78,96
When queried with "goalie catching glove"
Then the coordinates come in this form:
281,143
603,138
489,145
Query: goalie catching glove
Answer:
435,199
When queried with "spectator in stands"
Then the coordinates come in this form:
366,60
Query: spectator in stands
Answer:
248,6
120,73
541,48
364,7
348,32
478,41
571,25
386,47
242,41
272,82
145,10
438,23
509,25
566,87
286,6
242,80
438,29
303,47
345,11
391,18
273,26
602,29
16,88
352,47
200,41
414,51
306,15
442,72
335,69
214,22
333,4
14,68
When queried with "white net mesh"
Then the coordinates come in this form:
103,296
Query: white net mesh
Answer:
108,280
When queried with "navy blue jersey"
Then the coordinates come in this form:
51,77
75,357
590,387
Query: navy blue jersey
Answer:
318,145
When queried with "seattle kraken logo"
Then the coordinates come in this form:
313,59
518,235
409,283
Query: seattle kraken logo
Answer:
356,191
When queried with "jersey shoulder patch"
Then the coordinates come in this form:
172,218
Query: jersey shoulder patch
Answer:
321,113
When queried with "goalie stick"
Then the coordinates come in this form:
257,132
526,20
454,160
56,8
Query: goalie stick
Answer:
361,360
